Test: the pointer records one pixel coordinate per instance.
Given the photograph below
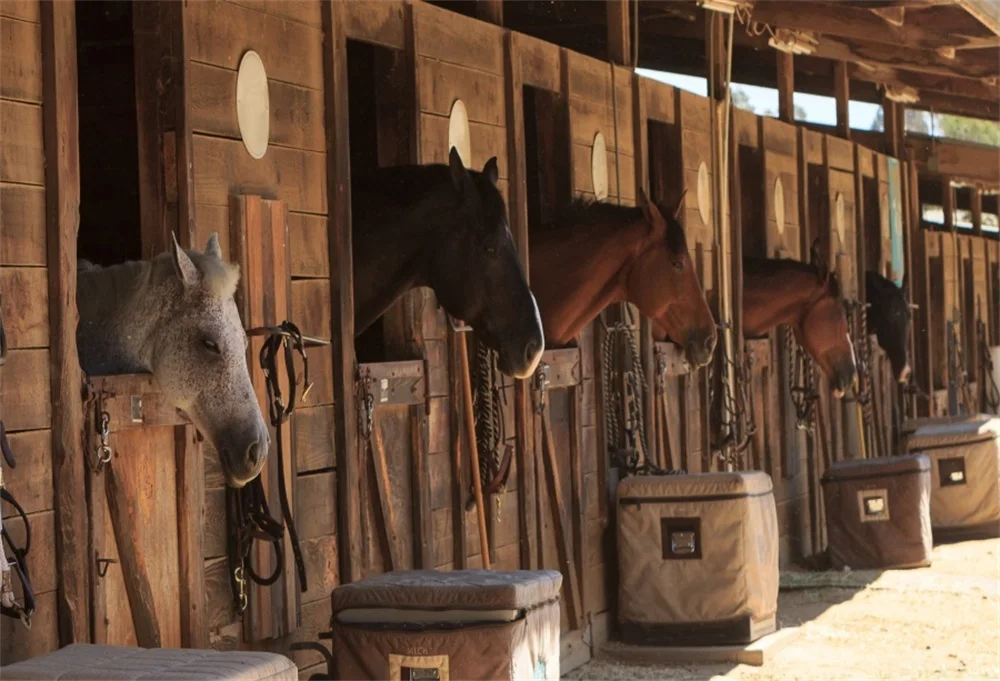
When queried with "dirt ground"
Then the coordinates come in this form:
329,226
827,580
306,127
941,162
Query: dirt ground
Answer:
941,622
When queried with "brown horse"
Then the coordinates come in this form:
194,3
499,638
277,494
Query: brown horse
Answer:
595,254
806,297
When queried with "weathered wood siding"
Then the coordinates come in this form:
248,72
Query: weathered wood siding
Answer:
25,403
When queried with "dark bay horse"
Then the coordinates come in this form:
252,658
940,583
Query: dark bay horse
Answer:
445,227
889,315
807,298
596,253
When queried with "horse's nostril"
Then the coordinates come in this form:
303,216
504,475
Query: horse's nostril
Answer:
255,453
531,351
710,343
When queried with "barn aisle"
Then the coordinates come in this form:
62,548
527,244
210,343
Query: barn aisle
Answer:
939,622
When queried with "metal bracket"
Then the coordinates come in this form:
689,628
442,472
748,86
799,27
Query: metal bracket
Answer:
102,565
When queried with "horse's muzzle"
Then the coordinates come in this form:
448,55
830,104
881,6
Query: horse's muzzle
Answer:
700,350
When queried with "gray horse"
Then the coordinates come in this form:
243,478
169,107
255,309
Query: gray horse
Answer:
175,316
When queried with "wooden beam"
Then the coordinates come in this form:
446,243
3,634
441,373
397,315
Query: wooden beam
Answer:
490,10
893,118
786,87
842,20
977,210
974,88
956,159
842,93
948,204
345,431
961,106
985,11
965,63
619,32
62,199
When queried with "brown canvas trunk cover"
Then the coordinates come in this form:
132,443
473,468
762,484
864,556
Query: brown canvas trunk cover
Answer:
524,645
878,512
697,548
965,469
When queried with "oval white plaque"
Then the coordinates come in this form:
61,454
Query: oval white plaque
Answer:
458,132
704,195
599,167
253,105
779,205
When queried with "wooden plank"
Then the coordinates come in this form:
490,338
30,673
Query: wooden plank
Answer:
24,392
134,401
440,84
18,643
21,67
219,33
320,556
308,246
31,480
619,31
338,188
382,23
757,653
297,177
310,307
396,382
388,528
786,86
316,506
562,532
22,213
538,62
423,522
133,563
190,536
563,368
485,141
296,113
24,299
458,462
303,11
455,39
22,158
26,10
312,432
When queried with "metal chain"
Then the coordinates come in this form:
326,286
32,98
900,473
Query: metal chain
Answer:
737,409
801,383
103,452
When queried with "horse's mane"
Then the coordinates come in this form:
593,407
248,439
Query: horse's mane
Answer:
585,211
413,182
762,267
885,285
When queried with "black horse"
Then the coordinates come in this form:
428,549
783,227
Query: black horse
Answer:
890,315
445,227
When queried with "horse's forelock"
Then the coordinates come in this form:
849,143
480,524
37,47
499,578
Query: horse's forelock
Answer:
676,240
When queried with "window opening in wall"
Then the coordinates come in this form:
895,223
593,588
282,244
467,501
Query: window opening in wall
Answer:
752,202
819,207
546,145
991,215
110,230
380,119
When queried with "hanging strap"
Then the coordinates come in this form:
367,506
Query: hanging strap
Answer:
19,562
247,510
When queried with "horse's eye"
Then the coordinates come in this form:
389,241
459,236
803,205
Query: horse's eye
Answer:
211,346
678,265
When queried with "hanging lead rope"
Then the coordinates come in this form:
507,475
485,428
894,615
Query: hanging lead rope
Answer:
495,454
247,511
991,392
857,321
737,426
802,383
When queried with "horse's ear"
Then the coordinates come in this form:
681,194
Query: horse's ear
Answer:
213,247
649,210
491,171
680,206
186,270
458,171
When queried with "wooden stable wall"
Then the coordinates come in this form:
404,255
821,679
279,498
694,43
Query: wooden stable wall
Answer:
25,399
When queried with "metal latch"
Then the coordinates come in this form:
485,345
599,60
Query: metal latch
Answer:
683,543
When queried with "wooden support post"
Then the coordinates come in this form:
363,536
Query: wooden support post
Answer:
977,210
948,204
490,10
342,292
892,121
786,87
842,93
619,32
62,213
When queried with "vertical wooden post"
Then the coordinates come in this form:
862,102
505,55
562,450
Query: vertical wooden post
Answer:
892,121
786,87
977,210
619,32
842,92
490,10
342,292
62,214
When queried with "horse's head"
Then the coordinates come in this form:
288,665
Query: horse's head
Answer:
200,359
822,331
664,286
477,276
890,316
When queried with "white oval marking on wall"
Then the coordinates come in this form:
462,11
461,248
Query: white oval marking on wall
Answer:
599,167
253,105
704,192
840,217
779,205
458,132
